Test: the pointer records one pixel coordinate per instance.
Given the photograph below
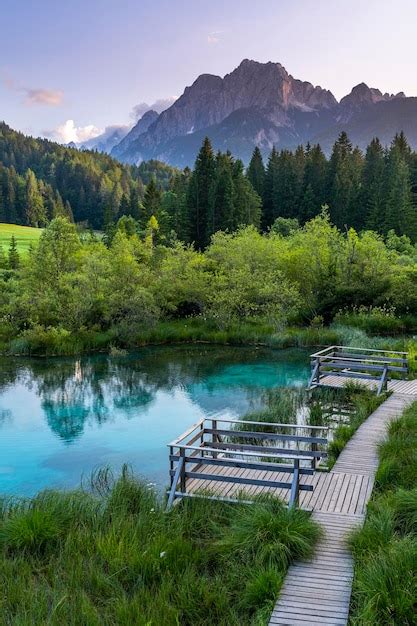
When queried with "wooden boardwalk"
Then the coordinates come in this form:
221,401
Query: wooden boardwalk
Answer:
396,386
318,591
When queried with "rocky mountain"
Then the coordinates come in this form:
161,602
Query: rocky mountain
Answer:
121,150
261,104
105,142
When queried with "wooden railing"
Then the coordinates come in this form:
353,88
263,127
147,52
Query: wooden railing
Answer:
357,363
242,444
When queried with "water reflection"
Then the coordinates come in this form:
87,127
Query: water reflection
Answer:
124,409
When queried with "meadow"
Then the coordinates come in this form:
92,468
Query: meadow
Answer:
25,237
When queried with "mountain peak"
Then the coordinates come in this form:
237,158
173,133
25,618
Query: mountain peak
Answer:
256,104
362,94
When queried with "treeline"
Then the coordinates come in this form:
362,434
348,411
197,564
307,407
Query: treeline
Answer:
40,179
373,191
376,191
26,200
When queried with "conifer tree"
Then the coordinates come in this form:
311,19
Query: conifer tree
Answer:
13,257
372,193
256,172
270,185
314,184
199,195
151,202
247,203
343,182
35,208
221,207
400,215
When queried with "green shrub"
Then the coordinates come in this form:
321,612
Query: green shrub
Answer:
385,589
31,530
270,534
385,549
261,589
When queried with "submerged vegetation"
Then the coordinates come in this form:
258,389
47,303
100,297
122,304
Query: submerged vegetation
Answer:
113,556
385,549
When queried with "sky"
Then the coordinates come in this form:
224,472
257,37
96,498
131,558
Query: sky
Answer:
68,69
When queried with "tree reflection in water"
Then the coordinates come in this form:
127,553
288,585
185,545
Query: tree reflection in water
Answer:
74,392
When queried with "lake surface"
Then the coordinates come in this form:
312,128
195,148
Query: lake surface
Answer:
62,418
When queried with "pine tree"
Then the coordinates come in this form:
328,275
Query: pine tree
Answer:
35,208
400,215
372,194
344,182
124,208
134,202
314,184
256,172
151,202
247,203
13,257
221,207
268,211
400,142
199,195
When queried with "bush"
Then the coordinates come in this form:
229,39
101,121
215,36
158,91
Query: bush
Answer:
270,534
31,530
386,586
376,320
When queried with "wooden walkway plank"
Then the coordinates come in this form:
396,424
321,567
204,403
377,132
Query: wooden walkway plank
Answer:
318,591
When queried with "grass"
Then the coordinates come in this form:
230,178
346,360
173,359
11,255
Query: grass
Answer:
42,341
114,556
25,236
385,549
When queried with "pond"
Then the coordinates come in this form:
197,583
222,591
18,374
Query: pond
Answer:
62,418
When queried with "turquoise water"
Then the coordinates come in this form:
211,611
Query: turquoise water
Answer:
62,418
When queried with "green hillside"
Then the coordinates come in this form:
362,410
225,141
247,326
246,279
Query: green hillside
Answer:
25,235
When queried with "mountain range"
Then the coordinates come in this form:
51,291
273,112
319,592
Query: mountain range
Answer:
261,104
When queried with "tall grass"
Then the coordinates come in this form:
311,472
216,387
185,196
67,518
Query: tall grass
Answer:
385,549
114,556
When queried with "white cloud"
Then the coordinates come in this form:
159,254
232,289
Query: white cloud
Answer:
159,105
68,131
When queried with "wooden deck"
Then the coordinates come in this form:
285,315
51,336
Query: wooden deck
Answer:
318,591
340,492
335,366
396,386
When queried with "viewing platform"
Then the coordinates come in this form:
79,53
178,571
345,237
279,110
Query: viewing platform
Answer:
336,366
224,459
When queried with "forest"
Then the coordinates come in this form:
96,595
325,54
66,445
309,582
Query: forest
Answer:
377,191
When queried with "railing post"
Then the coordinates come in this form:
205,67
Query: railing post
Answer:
171,465
314,448
214,437
295,487
318,371
182,474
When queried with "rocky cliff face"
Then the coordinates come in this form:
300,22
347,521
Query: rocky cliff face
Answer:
256,104
139,128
